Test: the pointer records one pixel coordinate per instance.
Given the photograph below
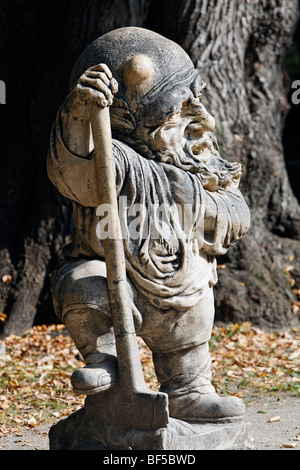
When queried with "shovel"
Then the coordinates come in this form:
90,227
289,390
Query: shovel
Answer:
134,404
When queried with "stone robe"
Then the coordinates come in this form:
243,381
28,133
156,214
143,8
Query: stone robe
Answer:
172,227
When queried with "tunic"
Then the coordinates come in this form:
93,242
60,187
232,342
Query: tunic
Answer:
172,227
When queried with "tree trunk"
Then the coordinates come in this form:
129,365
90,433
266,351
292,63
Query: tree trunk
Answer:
42,42
238,47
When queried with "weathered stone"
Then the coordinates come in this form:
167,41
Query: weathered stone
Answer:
78,433
154,203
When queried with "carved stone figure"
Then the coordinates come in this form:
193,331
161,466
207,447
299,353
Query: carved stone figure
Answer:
178,207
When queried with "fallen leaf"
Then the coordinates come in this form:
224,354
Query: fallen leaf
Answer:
274,419
296,306
7,278
289,445
294,355
289,268
31,422
238,137
4,402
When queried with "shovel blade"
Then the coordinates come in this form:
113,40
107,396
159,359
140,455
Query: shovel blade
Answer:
141,409
148,410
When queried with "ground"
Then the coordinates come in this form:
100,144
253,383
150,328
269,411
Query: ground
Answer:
261,368
282,434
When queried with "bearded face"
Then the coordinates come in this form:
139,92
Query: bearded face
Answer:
187,131
157,109
184,138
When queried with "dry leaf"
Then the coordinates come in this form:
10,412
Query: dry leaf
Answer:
289,445
3,317
294,355
289,268
7,278
296,306
238,137
274,419
31,422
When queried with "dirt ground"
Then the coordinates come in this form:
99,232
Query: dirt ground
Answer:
281,434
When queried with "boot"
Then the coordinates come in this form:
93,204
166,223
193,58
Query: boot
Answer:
98,375
185,375
93,336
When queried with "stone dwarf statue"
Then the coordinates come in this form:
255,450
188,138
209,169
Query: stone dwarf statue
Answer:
165,156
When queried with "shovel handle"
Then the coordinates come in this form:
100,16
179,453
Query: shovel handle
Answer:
106,181
129,365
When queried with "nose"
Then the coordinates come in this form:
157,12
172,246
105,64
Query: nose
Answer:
202,121
208,121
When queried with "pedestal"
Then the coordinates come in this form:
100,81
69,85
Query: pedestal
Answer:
78,433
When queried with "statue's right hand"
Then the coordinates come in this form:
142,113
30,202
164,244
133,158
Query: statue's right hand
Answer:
95,86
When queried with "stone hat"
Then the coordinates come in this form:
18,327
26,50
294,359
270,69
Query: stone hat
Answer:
154,74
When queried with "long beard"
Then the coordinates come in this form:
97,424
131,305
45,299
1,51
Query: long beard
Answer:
213,171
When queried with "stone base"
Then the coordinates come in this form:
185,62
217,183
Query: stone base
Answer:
190,436
77,433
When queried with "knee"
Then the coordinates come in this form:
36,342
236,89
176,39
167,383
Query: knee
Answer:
90,293
80,287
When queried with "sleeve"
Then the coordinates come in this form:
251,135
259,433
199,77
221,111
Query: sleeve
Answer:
74,176
225,218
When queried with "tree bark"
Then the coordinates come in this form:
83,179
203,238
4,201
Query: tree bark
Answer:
238,47
42,41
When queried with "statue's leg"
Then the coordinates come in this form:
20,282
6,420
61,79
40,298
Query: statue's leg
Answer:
185,376
184,369
92,333
81,300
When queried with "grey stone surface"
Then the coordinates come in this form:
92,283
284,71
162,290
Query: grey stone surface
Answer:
74,433
133,137
209,436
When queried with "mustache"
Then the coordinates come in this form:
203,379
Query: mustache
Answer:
200,148
202,157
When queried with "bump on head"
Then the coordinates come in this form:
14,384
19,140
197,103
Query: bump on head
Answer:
138,73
